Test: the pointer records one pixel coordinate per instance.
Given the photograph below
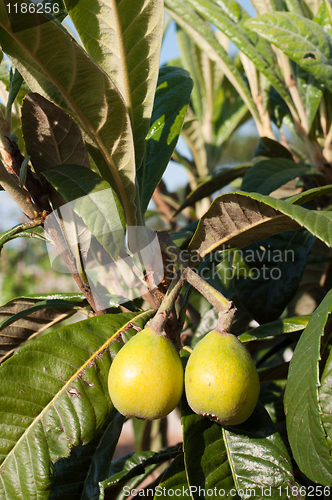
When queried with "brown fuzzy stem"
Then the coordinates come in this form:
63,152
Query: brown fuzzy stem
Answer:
211,294
225,307
225,319
160,319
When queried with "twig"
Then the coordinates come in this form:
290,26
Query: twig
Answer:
215,298
55,232
159,321
327,151
226,318
323,116
265,129
211,294
165,210
19,195
300,117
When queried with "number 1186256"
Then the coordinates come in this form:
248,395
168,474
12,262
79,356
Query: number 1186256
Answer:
32,8
304,491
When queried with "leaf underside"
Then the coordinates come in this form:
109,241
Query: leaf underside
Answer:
99,110
124,38
238,219
24,317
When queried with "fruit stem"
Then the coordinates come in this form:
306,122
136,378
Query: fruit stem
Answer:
226,308
167,304
211,294
225,319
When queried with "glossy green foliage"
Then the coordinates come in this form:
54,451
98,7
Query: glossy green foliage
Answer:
61,399
306,404
169,110
268,175
269,272
223,459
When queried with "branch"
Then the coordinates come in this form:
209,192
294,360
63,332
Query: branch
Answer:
19,195
265,129
300,117
56,235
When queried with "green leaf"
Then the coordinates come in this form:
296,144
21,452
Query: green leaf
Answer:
267,273
260,464
233,10
301,39
268,175
124,469
233,114
203,36
94,201
324,395
169,110
124,38
299,7
191,58
262,6
305,428
311,93
16,81
24,171
259,52
271,149
5,78
142,433
182,236
323,17
212,183
278,327
78,475
205,455
102,459
238,219
214,101
311,194
57,388
279,111
135,464
174,479
25,317
72,80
